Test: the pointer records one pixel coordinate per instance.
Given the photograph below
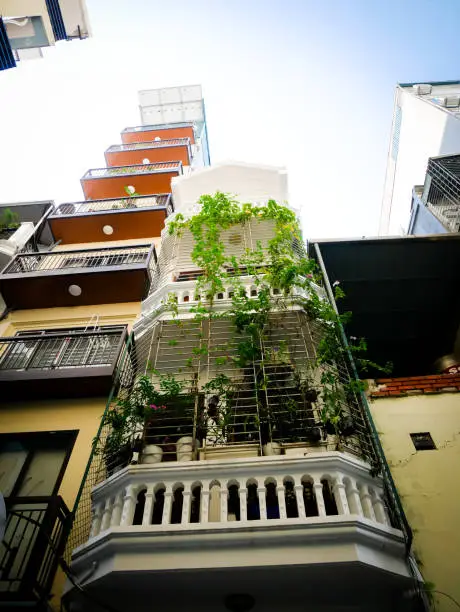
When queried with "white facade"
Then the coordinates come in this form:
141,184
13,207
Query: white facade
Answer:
426,123
247,182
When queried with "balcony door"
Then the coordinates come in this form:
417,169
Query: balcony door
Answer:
32,466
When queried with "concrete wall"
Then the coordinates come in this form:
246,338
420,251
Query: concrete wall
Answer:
427,130
427,481
28,8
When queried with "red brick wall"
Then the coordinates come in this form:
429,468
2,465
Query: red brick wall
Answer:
412,385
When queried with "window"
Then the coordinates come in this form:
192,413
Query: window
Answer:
59,348
33,464
423,441
396,132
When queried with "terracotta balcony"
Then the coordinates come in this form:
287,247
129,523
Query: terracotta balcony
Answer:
145,133
78,277
141,179
112,219
150,152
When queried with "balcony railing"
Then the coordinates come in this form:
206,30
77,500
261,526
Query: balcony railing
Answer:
52,351
156,144
35,537
96,173
442,190
260,491
163,126
66,261
162,200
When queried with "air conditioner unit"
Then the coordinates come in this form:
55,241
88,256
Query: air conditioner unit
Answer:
452,101
422,89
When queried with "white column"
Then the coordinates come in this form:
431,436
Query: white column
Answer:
318,487
148,507
96,521
340,496
204,506
129,506
166,518
281,501
243,492
116,510
186,501
224,504
380,510
298,488
366,502
106,514
214,504
354,500
261,492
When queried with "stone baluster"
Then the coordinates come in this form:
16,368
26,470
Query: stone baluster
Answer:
129,506
366,502
106,514
148,506
243,494
261,492
298,488
168,497
354,499
281,493
380,510
116,510
186,503
318,487
96,521
204,506
340,496
224,504
214,504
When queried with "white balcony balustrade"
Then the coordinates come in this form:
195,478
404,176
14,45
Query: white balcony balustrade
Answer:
322,489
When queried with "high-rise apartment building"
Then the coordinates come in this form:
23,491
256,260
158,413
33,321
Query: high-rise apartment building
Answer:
436,204
71,295
426,123
26,26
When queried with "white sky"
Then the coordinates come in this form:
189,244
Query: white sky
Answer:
288,83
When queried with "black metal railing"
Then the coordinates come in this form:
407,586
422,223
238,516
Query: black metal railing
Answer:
57,21
442,190
97,173
6,53
70,261
73,209
35,536
70,349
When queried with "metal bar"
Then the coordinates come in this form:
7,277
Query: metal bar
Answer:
131,204
149,144
162,126
114,171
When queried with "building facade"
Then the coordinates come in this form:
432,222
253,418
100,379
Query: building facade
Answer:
436,206
404,294
26,26
73,280
426,123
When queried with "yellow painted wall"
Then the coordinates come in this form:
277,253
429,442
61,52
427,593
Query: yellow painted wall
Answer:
428,481
71,316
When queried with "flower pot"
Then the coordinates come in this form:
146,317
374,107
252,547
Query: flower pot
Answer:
311,395
347,427
314,434
152,453
271,448
184,448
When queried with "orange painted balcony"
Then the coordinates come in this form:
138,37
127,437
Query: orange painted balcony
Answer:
146,133
141,179
149,152
113,219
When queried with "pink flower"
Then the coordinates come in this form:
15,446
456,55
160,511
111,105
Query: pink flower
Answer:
309,275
